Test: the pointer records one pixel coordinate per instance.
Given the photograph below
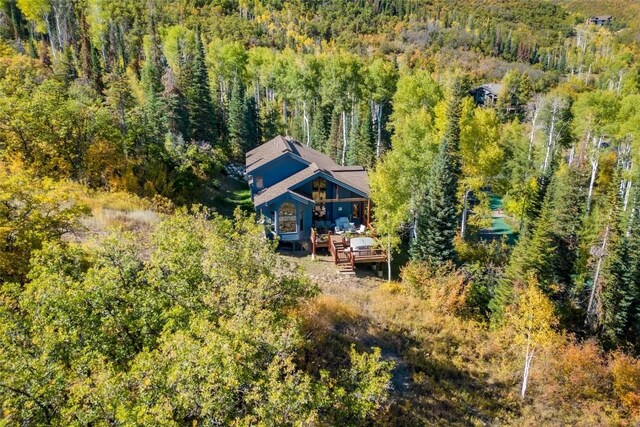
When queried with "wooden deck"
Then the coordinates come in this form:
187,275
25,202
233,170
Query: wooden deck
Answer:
345,257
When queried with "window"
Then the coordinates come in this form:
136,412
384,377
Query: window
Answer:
259,183
355,213
319,188
287,218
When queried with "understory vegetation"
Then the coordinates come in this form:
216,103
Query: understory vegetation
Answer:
138,288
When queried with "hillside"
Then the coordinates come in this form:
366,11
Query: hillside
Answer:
483,155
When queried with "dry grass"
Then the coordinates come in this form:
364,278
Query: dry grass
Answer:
459,371
116,210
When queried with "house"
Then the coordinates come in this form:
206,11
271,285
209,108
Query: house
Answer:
487,94
600,20
297,188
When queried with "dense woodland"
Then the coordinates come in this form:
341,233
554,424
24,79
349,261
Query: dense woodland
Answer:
198,320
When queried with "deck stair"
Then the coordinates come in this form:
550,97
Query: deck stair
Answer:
340,258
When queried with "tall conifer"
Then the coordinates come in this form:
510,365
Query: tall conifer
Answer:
621,288
237,126
199,100
437,217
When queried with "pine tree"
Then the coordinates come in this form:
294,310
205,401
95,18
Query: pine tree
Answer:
237,126
65,68
547,249
270,124
96,72
437,211
621,288
254,132
333,142
318,128
362,151
198,94
155,106
176,104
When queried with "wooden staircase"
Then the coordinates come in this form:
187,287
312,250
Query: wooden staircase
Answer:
340,258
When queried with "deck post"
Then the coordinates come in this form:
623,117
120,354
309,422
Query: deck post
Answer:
368,212
313,243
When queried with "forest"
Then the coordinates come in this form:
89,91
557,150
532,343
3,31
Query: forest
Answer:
136,283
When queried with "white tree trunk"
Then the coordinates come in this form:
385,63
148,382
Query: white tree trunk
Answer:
534,120
596,275
551,137
305,118
463,222
389,259
594,170
627,192
51,42
378,118
572,154
344,137
528,358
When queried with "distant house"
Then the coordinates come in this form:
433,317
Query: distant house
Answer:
297,188
486,94
600,20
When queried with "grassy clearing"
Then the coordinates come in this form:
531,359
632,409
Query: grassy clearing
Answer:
448,370
232,193
116,210
451,369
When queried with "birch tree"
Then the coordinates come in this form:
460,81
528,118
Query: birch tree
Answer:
480,153
556,120
342,88
381,79
533,322
595,118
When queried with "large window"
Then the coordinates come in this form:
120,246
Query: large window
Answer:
355,211
319,187
287,218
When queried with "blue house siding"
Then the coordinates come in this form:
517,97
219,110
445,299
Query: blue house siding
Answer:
283,170
303,217
275,171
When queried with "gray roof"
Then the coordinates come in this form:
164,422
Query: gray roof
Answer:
317,162
280,145
494,88
282,187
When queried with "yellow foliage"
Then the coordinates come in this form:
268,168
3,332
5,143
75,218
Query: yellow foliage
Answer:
576,371
322,314
532,318
626,381
445,288
391,288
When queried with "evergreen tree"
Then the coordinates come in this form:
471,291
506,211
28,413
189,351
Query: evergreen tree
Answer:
437,220
621,287
548,247
237,125
254,133
199,101
270,123
333,141
176,104
96,72
362,151
154,108
64,67
318,128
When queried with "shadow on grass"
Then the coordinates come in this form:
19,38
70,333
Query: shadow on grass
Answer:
232,193
426,390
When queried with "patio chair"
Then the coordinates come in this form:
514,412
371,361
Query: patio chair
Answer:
362,229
